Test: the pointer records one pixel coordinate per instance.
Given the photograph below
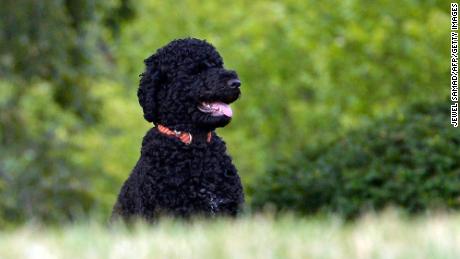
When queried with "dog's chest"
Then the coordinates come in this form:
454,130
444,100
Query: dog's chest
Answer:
194,179
209,173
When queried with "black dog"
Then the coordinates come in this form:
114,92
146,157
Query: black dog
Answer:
184,169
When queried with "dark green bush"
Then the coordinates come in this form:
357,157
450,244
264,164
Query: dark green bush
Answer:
410,160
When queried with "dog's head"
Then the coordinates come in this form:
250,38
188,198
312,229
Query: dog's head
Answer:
186,87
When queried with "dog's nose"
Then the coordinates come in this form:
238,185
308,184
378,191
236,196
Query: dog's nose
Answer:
234,83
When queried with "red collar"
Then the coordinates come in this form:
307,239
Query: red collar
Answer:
183,136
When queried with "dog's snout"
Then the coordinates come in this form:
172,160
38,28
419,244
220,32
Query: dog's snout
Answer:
234,83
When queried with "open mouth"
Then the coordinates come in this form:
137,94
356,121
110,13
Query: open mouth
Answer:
216,108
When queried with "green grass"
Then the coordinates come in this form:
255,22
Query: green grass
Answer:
375,236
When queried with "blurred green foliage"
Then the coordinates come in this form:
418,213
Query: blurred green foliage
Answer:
409,160
309,68
52,54
71,127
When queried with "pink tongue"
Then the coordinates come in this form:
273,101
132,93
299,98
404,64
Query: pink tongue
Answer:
221,108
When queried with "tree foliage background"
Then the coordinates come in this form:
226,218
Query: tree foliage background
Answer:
71,127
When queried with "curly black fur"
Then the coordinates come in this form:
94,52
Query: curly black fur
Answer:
171,177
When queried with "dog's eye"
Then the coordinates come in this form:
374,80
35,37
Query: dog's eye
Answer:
198,69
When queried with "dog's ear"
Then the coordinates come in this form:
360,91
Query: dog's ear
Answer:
149,86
